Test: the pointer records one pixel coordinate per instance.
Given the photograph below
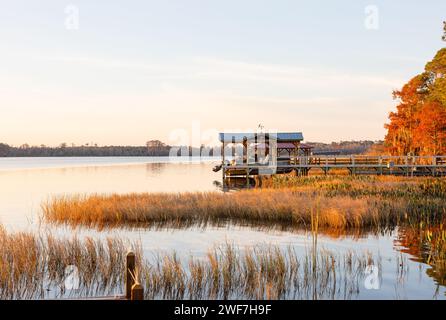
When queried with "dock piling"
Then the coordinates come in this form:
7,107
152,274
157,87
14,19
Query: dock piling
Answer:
129,275
137,292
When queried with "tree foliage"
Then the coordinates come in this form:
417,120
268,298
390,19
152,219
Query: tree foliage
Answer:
419,124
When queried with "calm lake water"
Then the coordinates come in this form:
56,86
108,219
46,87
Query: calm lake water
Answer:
26,182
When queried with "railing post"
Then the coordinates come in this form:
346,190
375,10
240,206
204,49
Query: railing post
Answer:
380,163
130,272
406,159
353,165
137,292
434,166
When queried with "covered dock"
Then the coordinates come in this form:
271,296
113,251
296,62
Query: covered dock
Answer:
248,154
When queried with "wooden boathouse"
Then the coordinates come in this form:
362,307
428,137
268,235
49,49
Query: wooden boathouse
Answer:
250,154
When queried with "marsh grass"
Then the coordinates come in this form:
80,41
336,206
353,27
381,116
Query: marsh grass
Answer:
361,185
261,272
34,267
31,265
342,202
329,205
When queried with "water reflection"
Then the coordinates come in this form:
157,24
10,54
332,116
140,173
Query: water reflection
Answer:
234,183
426,246
24,187
23,190
156,168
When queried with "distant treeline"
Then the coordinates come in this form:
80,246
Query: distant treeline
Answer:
159,149
346,147
152,149
82,151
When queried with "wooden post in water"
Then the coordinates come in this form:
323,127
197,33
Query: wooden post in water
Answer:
137,292
129,273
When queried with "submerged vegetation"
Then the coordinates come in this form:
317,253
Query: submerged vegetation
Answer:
342,202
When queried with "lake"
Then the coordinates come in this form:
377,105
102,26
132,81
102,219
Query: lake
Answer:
26,182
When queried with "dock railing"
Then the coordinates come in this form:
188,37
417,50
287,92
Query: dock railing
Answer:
424,165
360,160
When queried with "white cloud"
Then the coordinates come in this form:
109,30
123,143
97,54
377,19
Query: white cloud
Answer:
222,69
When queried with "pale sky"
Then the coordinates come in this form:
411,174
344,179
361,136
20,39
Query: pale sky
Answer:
139,70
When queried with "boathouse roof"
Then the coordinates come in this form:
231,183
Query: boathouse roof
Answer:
280,136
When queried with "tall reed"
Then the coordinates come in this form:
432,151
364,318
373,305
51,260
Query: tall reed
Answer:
35,266
261,272
31,265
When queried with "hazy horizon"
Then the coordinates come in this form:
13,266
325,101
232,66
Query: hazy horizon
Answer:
144,144
122,74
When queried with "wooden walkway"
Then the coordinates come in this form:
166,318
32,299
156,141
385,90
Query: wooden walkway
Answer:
355,164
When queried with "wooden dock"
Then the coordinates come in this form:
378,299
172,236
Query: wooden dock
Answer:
354,164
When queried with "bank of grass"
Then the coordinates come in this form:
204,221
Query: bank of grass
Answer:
361,185
342,202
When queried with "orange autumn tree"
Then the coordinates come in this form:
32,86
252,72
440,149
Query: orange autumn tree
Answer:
419,124
400,136
430,134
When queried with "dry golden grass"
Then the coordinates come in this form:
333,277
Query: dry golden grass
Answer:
261,272
30,264
386,186
251,207
341,202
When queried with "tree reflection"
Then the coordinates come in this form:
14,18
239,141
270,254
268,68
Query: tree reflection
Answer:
426,245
